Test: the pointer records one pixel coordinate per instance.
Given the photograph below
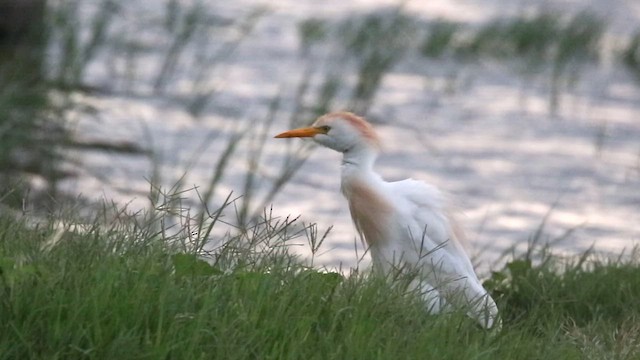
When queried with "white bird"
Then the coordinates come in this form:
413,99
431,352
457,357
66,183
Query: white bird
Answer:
405,224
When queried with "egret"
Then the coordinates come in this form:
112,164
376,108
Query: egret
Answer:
403,223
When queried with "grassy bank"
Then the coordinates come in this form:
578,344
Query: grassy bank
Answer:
127,290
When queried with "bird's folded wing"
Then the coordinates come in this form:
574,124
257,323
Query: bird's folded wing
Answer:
430,229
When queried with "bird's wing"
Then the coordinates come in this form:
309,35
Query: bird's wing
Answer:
443,259
430,228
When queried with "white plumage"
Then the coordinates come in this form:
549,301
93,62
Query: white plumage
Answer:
403,223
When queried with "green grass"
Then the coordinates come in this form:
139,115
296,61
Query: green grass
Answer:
127,290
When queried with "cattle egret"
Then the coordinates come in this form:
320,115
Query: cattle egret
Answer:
405,224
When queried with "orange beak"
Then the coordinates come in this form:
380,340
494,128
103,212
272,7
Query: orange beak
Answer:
301,132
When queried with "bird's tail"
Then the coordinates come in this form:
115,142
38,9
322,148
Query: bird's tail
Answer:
485,311
469,294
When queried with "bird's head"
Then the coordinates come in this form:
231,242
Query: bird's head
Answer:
340,131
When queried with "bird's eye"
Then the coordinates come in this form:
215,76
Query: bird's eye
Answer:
325,129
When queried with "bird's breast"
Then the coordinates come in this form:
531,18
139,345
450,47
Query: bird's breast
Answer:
370,210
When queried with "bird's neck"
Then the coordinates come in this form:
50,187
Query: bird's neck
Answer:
357,161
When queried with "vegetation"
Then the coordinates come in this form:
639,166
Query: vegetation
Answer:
631,55
537,44
27,137
439,39
377,41
129,289
579,42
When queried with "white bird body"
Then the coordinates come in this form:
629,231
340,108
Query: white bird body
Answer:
404,224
